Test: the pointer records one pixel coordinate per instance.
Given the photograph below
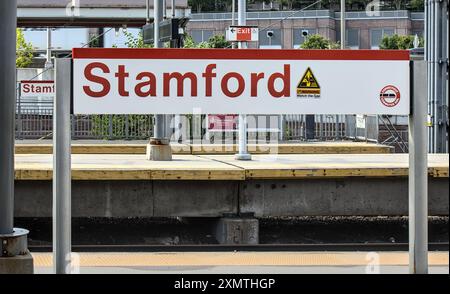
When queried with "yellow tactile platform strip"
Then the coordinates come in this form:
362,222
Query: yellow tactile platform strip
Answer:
225,167
198,149
242,259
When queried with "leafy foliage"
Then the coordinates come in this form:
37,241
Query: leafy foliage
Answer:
24,55
399,42
319,42
217,41
124,126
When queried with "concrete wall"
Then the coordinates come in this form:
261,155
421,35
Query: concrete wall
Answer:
339,197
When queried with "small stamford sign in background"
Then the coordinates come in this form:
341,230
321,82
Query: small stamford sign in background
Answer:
37,88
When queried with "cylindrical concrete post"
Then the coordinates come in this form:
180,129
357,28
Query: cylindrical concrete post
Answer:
7,113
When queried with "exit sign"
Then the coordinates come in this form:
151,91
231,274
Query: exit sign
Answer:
243,34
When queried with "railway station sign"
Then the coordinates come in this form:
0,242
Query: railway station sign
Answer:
215,81
37,88
242,34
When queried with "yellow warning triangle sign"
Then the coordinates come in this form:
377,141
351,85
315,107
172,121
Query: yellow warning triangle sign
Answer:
308,81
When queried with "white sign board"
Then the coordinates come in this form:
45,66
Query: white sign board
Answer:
242,34
37,89
184,81
361,121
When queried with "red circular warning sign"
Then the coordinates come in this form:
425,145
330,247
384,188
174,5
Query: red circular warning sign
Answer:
390,96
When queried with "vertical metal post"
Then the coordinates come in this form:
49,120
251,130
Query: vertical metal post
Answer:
7,113
243,153
62,169
48,63
147,11
343,35
173,9
233,18
19,112
444,66
441,76
310,127
418,171
343,26
158,12
164,9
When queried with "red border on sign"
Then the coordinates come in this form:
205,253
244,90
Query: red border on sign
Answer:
397,98
37,82
247,54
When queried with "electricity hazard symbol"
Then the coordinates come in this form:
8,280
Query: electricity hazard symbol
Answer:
309,86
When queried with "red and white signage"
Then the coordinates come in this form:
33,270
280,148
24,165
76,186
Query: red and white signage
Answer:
37,88
185,81
242,34
223,122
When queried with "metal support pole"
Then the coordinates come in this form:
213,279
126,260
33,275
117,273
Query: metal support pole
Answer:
159,148
147,11
243,153
62,213
343,27
48,63
164,9
7,113
158,12
418,171
233,18
13,241
441,76
173,9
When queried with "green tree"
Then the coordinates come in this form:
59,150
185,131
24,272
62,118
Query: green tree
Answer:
217,41
416,5
399,42
124,126
199,5
319,42
135,41
24,55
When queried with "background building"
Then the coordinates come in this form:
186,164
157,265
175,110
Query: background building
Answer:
363,31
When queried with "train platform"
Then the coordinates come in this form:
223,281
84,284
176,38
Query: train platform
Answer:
225,167
244,263
127,185
139,147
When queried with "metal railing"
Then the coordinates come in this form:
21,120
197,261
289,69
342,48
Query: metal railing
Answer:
258,15
364,128
34,120
327,127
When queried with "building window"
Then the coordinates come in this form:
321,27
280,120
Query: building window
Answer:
376,35
352,38
201,35
418,33
271,38
299,36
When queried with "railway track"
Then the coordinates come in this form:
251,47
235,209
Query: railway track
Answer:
341,247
